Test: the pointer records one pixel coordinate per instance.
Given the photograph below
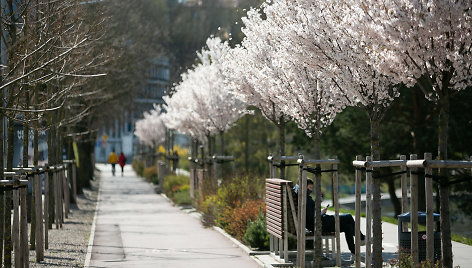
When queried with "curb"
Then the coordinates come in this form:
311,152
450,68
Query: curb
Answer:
251,253
92,231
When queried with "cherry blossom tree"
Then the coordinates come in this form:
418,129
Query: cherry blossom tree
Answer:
273,74
151,129
202,106
249,75
315,37
427,43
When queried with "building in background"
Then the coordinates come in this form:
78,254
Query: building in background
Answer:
120,136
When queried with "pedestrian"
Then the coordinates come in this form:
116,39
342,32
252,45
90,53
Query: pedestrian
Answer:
122,161
113,159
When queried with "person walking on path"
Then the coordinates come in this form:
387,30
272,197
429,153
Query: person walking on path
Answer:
113,159
122,162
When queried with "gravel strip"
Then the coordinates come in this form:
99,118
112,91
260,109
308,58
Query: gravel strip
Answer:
68,246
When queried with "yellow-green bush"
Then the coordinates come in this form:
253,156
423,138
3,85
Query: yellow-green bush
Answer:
138,166
182,196
238,190
150,174
174,183
209,210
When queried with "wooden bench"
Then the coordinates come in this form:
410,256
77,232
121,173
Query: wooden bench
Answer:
281,211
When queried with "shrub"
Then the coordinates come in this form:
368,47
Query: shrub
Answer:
233,192
150,174
235,221
405,260
137,166
182,196
173,183
256,234
209,210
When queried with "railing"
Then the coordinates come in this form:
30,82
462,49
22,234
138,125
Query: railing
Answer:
63,182
413,164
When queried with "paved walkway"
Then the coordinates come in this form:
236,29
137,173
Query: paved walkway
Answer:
135,227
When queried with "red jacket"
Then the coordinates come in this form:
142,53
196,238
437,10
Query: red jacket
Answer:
122,160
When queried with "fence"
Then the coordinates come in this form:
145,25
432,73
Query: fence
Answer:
413,164
64,189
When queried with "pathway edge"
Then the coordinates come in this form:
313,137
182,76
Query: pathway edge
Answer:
92,231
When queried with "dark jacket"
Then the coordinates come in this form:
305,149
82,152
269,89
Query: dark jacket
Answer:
327,221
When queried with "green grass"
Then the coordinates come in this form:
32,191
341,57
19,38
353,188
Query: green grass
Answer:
455,237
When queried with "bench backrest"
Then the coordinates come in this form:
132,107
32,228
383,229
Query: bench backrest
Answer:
275,194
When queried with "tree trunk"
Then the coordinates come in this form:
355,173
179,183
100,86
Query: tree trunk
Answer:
444,185
51,162
35,164
8,199
376,207
317,192
418,148
85,169
2,139
246,144
393,197
222,142
281,127
208,159
2,193
31,201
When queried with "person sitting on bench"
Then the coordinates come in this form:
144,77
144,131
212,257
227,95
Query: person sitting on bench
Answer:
346,221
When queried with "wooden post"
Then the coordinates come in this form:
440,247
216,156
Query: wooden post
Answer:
233,167
285,193
16,228
191,181
215,169
74,181
39,218
368,215
404,185
414,212
358,215
276,246
301,213
46,208
66,193
281,247
60,189
318,241
24,257
56,196
429,210
336,215
271,237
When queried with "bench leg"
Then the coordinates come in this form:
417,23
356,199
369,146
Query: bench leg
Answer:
276,246
281,248
333,244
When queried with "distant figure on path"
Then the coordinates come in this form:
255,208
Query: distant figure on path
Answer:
113,159
122,161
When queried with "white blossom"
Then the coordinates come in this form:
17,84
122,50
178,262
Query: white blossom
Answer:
151,130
